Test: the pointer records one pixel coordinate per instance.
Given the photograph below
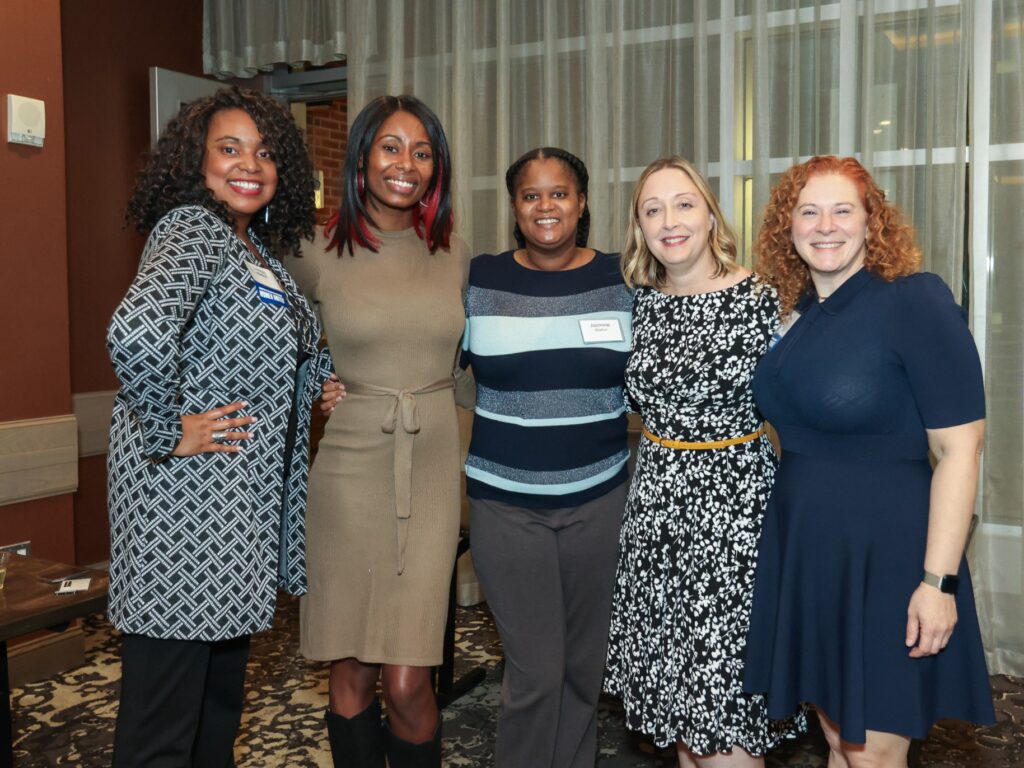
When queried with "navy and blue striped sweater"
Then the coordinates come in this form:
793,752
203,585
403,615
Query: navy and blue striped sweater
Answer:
549,429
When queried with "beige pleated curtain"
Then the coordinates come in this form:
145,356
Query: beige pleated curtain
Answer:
928,93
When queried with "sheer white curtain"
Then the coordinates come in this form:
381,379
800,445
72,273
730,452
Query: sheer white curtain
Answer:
743,87
928,93
997,310
244,37
746,88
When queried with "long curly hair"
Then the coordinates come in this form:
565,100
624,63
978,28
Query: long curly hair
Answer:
892,250
173,173
432,218
639,267
579,172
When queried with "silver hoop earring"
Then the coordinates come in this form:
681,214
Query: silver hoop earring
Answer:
266,214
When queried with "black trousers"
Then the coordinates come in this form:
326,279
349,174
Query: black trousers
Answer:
181,702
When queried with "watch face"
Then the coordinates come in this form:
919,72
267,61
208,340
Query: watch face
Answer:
948,584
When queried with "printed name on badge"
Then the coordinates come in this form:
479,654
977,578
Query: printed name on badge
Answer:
601,331
268,288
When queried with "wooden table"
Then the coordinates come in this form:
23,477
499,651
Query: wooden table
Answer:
27,604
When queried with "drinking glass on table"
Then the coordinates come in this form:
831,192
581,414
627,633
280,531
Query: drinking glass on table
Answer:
5,559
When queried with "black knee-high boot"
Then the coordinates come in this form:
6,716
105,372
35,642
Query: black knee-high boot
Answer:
402,754
357,742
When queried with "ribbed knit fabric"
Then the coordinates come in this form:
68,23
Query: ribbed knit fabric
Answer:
548,351
393,319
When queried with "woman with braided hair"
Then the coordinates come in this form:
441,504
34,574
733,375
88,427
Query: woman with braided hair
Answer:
548,334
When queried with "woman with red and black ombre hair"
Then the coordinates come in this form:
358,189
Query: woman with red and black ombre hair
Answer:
383,515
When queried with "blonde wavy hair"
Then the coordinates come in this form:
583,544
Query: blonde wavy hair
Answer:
638,265
891,248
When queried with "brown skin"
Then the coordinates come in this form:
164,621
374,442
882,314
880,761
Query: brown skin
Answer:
547,190
408,695
241,173
398,171
547,206
239,168
398,174
197,431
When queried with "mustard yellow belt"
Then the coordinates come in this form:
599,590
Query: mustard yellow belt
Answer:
682,445
403,429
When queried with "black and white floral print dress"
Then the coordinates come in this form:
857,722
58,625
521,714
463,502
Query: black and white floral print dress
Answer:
693,519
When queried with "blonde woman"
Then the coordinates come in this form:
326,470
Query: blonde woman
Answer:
704,472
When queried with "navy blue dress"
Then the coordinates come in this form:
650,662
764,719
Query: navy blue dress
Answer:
851,389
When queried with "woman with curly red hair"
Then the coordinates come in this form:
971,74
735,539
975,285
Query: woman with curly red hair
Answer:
861,574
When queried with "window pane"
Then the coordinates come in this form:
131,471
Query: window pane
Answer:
917,86
1004,370
1007,124
803,84
658,93
645,14
486,238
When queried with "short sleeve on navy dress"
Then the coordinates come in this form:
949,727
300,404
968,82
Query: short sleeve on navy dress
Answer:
931,337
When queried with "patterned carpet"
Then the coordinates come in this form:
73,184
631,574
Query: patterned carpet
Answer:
69,720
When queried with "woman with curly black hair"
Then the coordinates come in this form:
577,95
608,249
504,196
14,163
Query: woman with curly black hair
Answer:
206,504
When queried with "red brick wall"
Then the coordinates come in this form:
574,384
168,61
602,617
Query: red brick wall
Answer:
327,135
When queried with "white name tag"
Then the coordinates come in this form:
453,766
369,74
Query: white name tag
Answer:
267,287
264,277
601,331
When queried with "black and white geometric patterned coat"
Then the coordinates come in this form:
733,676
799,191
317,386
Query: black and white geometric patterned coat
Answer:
197,550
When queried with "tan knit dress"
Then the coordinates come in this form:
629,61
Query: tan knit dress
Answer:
383,516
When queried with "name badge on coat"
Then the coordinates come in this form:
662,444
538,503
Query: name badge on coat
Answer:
267,287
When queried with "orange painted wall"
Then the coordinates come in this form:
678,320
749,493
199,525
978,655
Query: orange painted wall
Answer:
92,531
34,364
107,57
33,240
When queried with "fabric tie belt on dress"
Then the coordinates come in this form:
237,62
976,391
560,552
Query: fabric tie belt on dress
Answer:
682,445
402,422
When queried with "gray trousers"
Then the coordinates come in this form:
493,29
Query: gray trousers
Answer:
548,577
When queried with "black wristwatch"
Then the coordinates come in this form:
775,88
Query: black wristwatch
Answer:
945,584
